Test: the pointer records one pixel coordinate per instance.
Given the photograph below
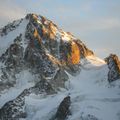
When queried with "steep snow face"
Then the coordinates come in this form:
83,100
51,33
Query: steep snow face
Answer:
8,39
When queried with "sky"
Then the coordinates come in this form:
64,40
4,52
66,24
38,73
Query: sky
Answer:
95,22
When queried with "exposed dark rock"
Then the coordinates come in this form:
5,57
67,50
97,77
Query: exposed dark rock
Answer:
114,67
84,51
73,69
43,87
14,54
13,61
13,110
10,27
60,78
39,62
64,109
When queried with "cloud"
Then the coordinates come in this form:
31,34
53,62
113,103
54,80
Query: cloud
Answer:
104,52
9,11
107,23
87,25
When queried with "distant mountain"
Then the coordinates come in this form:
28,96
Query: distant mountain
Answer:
49,74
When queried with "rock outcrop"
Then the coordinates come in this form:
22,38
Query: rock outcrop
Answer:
114,67
64,109
10,27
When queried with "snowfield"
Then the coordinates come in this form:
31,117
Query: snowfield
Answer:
90,94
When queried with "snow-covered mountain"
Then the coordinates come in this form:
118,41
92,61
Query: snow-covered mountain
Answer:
49,74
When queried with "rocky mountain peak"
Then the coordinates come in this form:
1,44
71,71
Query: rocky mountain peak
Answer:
36,46
56,40
49,74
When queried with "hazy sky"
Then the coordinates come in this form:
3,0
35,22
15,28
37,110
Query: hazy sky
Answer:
95,22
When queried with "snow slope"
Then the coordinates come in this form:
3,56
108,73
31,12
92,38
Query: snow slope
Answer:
90,94
8,39
24,80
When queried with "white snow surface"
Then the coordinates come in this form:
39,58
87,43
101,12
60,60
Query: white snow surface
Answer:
24,80
90,94
7,40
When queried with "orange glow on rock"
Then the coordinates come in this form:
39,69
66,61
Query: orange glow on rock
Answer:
75,56
35,17
36,35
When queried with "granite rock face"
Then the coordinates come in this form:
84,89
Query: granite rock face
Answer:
114,67
63,109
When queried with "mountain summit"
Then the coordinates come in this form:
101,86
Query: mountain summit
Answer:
49,74
36,42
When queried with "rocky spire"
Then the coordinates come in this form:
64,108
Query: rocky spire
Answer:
114,67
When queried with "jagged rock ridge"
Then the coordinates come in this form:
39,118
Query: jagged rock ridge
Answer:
44,50
47,49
